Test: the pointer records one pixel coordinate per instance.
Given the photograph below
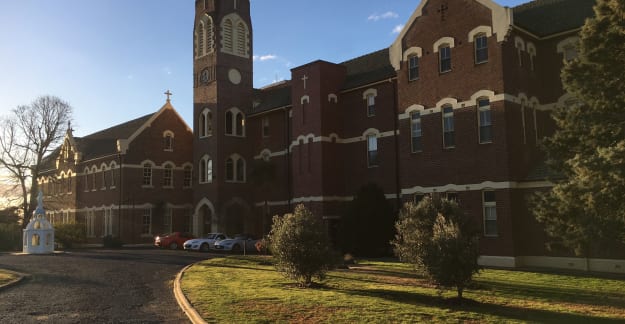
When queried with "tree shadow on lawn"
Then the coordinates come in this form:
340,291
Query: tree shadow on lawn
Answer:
467,305
550,294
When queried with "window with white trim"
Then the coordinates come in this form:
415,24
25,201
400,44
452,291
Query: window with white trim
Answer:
146,221
444,56
370,105
168,176
490,213
448,127
93,178
413,68
235,122
415,130
481,48
114,173
235,169
484,120
265,126
205,123
372,150
103,172
147,174
206,170
90,220
187,177
168,141
85,180
108,221
227,36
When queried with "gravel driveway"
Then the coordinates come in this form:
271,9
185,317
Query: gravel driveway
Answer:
95,286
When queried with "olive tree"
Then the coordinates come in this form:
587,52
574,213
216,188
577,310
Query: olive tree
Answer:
300,245
439,241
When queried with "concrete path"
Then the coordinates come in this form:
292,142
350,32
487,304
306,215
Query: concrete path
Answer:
95,286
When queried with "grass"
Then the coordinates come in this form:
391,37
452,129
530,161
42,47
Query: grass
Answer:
248,289
6,277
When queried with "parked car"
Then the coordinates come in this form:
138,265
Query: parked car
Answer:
173,240
237,244
205,243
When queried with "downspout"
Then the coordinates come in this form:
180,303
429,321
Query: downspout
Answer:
289,182
397,164
119,206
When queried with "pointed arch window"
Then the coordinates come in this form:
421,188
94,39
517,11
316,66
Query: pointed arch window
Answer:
168,141
235,169
206,170
241,39
229,120
200,40
93,178
85,179
227,36
235,122
205,123
239,124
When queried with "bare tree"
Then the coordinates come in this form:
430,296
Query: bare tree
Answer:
28,135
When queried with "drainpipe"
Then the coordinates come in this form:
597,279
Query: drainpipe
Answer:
119,206
397,164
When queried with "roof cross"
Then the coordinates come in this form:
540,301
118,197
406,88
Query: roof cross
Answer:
304,79
168,94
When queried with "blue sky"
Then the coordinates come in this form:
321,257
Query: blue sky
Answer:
113,59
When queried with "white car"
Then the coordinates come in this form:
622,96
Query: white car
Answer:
205,243
240,243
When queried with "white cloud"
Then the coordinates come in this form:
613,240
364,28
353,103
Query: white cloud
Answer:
264,57
386,15
398,29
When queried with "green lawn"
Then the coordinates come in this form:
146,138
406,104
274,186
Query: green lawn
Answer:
248,289
6,277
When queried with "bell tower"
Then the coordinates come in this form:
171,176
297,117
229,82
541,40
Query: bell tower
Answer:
223,89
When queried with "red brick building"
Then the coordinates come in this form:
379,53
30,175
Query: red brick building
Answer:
454,107
131,181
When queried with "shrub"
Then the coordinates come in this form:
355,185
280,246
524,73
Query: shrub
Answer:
439,241
69,234
301,246
10,237
112,242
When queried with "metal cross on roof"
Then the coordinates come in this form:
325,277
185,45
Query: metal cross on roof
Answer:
168,94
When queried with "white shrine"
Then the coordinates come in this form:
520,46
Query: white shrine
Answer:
39,234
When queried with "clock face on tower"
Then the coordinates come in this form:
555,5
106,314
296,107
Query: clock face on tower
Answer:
234,76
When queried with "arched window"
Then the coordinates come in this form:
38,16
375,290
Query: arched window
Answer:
93,178
205,123
448,126
481,48
484,120
168,176
241,39
444,58
229,121
229,169
200,39
86,179
147,174
239,124
415,129
113,173
240,170
168,141
227,36
206,170
188,176
210,35
235,169
235,122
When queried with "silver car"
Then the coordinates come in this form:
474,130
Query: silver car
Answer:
240,243
205,243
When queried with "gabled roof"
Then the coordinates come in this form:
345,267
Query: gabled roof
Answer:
271,97
368,68
547,17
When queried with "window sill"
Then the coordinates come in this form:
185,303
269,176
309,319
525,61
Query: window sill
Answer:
444,72
147,186
112,187
449,148
491,236
168,150
373,166
203,137
416,152
483,143
480,63
234,181
103,188
168,187
233,135
94,189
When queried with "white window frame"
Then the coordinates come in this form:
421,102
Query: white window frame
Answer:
373,148
481,47
146,222
168,145
486,110
488,217
448,115
413,131
168,181
147,175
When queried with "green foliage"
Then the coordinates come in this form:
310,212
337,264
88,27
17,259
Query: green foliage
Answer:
368,224
301,246
69,234
441,243
10,237
112,242
587,206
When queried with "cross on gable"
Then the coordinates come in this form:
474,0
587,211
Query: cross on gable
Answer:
304,79
442,10
168,94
